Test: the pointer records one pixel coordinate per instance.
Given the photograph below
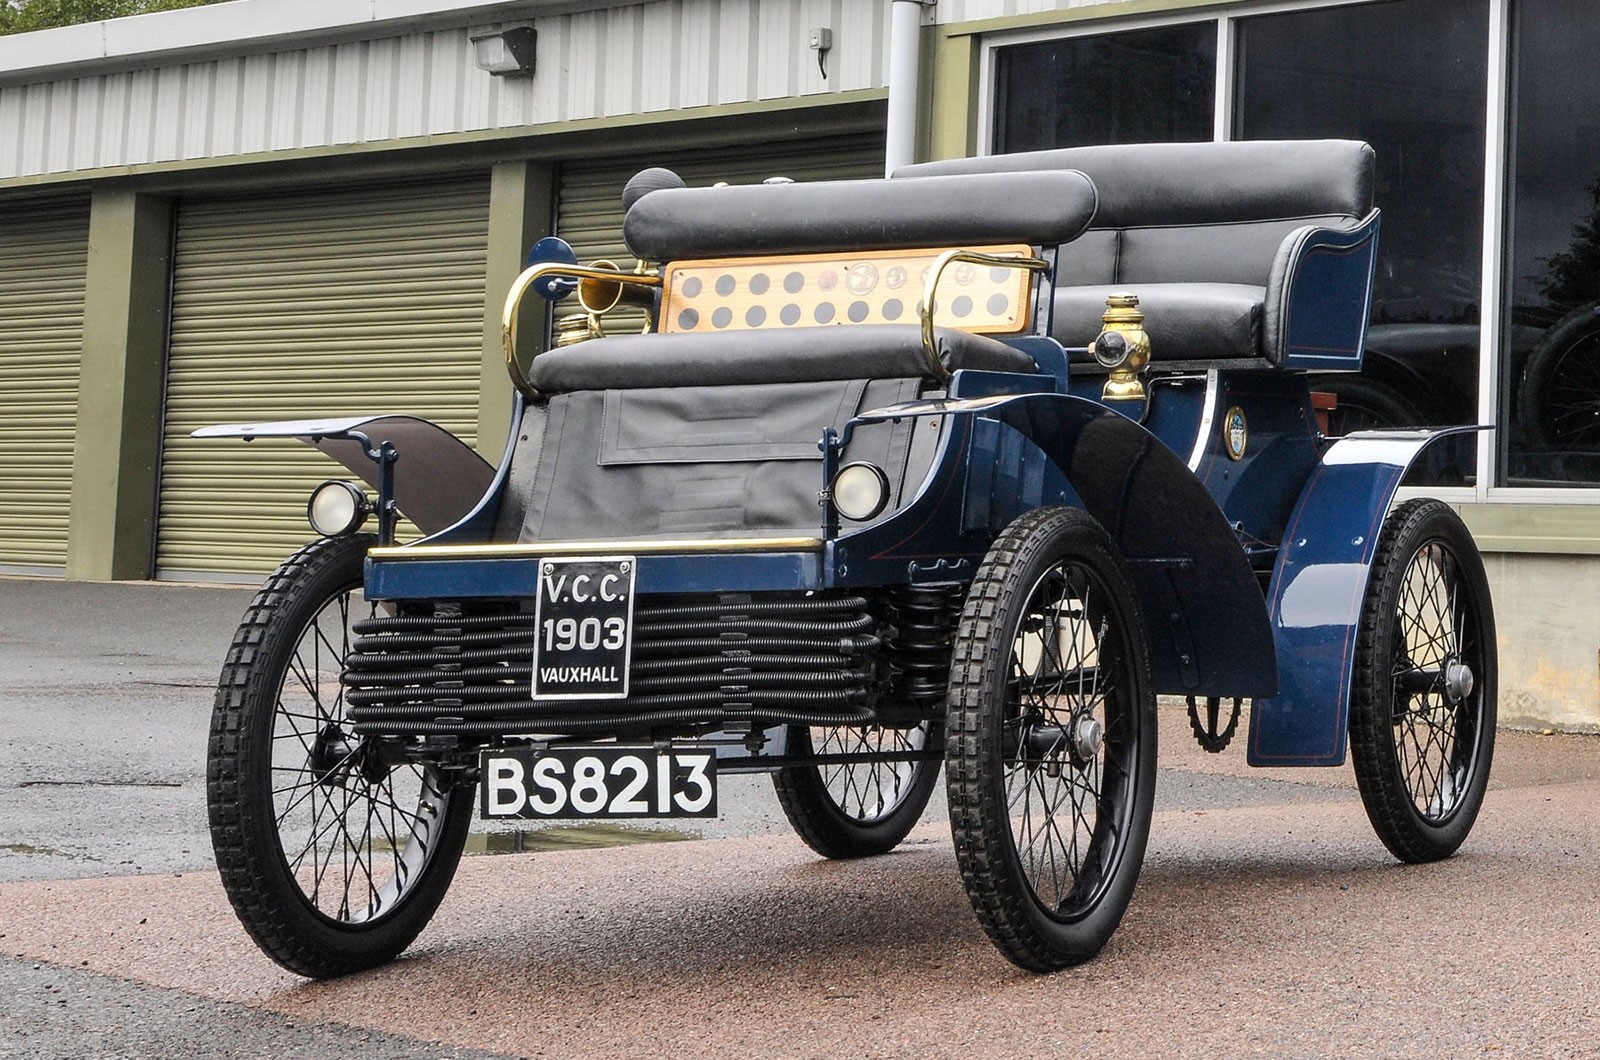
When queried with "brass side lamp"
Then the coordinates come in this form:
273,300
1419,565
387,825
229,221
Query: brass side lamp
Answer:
1123,347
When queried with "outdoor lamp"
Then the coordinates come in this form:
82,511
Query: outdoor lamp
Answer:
507,51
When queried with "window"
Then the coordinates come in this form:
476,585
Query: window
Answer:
1410,78
1550,373
1137,86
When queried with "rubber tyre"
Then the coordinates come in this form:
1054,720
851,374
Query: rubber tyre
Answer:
1367,404
395,863
1561,406
1421,743
1000,749
857,810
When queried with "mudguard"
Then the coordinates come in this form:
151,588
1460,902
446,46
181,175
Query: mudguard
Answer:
438,478
1317,590
1203,607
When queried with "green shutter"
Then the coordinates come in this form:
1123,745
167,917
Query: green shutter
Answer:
44,251
289,306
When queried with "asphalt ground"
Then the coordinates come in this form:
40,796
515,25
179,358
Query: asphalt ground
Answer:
1268,922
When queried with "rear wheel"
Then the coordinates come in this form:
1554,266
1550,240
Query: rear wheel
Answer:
854,809
1051,756
1562,404
334,849
1422,711
1366,405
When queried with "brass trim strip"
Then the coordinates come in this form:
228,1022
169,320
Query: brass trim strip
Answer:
540,549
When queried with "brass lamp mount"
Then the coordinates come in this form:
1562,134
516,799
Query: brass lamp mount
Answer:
1123,347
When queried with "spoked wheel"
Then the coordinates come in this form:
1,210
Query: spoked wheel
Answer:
1422,710
334,849
1562,403
860,808
1051,755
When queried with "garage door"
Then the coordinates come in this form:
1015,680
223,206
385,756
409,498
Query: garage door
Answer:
43,256
589,207
336,302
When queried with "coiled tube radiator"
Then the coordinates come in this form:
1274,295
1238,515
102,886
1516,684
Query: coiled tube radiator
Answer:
466,670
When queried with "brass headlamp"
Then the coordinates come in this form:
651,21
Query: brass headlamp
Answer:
1123,347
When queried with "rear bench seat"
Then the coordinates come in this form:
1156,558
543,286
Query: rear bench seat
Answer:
1248,250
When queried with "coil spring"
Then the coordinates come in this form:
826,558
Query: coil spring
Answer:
925,620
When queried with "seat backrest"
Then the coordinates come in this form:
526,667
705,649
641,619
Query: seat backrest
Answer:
1193,212
1040,209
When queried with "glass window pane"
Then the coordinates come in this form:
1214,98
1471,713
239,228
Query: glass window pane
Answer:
1139,86
1550,414
1408,77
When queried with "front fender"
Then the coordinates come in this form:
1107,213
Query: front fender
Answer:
438,478
1202,604
1318,586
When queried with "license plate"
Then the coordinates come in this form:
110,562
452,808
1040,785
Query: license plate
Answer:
602,782
583,623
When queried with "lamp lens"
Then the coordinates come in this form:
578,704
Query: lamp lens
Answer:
860,491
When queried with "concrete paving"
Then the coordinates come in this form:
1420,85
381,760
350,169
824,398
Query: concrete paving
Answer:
1269,921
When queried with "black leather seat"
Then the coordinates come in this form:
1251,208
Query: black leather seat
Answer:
780,355
1212,237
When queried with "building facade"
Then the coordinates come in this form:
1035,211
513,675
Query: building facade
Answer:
256,210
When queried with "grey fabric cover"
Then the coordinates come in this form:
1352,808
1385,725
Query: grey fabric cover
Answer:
705,461
1039,209
776,355
1217,214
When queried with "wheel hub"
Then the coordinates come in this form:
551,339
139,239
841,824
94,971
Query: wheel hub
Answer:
1088,735
334,758
1458,680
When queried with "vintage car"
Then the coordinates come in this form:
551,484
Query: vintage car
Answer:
961,467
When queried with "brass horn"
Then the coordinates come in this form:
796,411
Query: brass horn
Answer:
599,296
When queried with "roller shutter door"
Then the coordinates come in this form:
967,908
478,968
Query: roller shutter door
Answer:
335,302
589,206
44,251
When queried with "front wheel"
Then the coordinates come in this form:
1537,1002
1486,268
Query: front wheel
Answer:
1051,744
1422,709
335,849
866,792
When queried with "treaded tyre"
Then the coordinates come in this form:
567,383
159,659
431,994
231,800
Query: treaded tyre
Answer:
1051,740
857,809
1422,710
1561,402
334,851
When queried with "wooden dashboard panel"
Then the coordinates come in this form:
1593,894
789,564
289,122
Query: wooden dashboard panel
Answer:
814,290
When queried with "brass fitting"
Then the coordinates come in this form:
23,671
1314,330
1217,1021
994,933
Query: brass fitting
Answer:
1123,347
575,328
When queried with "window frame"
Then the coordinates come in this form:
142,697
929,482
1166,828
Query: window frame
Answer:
1488,488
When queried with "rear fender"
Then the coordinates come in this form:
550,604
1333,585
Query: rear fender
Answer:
1203,606
438,478
1317,589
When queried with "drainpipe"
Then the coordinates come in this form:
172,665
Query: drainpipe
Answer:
905,72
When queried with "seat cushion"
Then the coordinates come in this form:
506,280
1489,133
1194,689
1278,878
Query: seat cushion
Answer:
791,355
1185,321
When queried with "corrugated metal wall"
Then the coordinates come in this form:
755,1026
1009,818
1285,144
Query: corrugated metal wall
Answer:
589,205
287,306
44,252
627,60
952,11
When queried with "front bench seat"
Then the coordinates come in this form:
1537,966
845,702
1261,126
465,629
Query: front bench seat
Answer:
779,355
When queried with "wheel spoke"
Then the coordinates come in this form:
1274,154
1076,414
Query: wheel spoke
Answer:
1062,675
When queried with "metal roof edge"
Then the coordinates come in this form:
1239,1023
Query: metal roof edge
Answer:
247,26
